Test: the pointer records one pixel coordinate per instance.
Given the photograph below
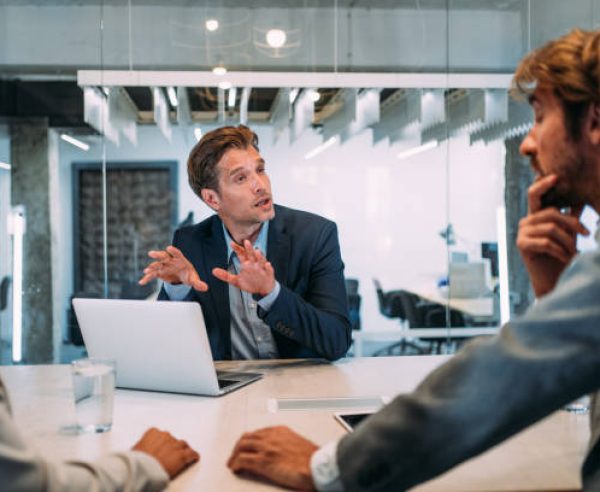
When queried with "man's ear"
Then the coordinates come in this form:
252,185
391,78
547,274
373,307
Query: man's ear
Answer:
593,123
211,198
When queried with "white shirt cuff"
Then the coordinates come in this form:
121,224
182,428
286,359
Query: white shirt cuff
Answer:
176,292
266,302
324,468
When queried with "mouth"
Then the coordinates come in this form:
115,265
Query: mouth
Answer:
263,202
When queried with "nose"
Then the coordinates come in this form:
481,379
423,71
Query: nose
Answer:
528,147
259,183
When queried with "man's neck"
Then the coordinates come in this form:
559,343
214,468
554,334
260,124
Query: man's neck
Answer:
240,232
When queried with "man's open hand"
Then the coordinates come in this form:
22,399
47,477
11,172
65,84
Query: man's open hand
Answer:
256,273
171,266
547,238
277,455
174,455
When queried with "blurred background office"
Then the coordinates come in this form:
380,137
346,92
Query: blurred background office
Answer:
391,118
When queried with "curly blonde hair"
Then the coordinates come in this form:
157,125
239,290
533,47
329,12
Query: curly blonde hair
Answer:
570,67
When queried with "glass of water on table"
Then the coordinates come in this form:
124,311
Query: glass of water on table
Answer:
93,391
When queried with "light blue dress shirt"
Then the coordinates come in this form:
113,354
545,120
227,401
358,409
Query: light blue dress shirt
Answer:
251,337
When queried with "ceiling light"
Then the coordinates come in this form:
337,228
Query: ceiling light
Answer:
172,96
219,70
276,38
212,24
73,141
314,95
5,165
293,95
320,148
198,133
225,85
231,98
417,150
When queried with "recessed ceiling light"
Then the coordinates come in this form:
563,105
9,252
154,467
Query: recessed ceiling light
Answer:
212,24
219,70
276,38
314,95
77,143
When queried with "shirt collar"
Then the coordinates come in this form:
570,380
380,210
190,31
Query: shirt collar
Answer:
260,243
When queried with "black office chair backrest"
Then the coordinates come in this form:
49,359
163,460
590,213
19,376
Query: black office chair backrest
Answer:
353,298
412,311
390,303
351,286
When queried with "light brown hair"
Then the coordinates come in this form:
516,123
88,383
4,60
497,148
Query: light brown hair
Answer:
206,154
570,67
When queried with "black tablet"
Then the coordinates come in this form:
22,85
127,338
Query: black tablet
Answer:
350,420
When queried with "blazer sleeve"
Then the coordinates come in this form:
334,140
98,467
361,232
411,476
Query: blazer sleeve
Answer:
318,319
23,469
489,391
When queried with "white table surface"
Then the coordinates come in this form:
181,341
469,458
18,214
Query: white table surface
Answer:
547,456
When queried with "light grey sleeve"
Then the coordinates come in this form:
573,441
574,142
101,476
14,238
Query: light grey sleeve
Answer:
489,391
22,469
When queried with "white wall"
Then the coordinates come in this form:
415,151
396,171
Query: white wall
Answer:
389,212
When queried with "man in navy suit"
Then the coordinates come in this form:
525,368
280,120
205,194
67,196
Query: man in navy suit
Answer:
269,279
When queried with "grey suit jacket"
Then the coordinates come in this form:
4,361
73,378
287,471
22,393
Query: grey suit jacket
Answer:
489,391
23,469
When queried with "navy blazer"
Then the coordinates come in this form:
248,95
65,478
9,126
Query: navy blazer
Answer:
309,318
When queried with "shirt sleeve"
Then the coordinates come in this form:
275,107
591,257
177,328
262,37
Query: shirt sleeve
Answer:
23,469
130,471
324,468
266,302
176,292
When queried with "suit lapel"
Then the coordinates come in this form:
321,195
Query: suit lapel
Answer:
279,247
215,255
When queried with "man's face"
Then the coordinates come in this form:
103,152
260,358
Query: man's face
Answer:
553,151
244,195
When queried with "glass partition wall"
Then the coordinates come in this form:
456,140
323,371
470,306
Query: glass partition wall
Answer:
391,118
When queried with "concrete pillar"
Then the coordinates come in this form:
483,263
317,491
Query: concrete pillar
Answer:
30,184
518,175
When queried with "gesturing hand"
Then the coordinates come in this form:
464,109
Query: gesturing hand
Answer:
547,238
171,266
276,454
174,455
256,274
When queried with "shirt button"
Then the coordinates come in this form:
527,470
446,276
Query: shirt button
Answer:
252,305
259,339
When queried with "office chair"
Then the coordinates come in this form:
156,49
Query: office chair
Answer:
354,300
421,313
391,306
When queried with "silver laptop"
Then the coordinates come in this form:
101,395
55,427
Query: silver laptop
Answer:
158,346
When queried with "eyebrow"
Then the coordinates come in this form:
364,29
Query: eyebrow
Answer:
240,168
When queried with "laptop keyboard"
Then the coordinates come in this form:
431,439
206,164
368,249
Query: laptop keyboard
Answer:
223,383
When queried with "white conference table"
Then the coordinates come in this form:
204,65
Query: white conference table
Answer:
547,456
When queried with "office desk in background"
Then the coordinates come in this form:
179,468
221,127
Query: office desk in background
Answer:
477,307
545,457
